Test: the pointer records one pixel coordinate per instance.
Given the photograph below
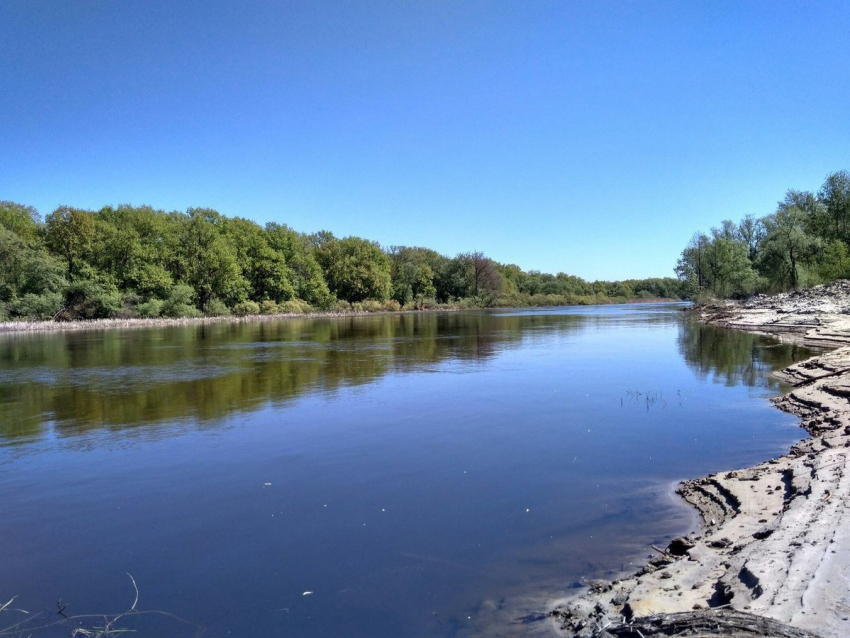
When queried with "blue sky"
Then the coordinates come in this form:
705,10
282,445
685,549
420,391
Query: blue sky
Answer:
592,138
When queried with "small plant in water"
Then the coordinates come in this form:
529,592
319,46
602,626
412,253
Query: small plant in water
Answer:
91,625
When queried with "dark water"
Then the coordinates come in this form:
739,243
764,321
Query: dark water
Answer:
421,475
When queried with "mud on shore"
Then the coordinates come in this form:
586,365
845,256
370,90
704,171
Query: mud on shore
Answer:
772,556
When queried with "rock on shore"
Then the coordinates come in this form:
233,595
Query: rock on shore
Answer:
775,539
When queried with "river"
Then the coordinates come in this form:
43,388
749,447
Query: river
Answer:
398,476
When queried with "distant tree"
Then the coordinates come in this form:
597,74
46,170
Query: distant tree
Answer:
482,273
751,232
208,260
22,220
299,255
727,230
355,269
787,247
412,273
69,232
692,267
834,261
729,270
834,196
264,268
27,269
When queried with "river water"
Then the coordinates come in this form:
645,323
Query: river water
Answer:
395,476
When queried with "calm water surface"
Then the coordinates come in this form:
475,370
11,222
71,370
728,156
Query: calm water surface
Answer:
421,475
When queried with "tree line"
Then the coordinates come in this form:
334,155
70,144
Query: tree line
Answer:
802,243
136,261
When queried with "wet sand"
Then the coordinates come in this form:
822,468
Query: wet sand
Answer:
775,538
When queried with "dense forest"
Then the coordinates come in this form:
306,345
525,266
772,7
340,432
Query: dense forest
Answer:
804,242
135,261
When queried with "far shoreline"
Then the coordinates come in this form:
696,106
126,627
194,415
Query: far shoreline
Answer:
19,327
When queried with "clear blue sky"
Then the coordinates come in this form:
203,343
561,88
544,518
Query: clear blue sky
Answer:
592,137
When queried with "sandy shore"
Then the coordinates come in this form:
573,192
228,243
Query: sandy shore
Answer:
774,544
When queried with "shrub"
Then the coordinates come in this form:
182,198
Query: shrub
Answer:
269,307
469,302
31,306
372,305
150,308
216,308
421,302
245,308
392,305
296,306
340,306
88,299
180,302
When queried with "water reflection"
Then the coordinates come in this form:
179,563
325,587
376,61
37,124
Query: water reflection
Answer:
733,357
76,382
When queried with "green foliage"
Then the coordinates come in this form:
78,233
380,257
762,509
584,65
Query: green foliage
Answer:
217,308
246,308
306,275
269,307
804,242
788,249
209,259
262,267
32,306
834,262
412,271
138,261
19,219
88,299
26,268
296,306
355,269
69,232
150,309
180,302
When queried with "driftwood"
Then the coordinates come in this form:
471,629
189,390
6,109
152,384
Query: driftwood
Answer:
709,623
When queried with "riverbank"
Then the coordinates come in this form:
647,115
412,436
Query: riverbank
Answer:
775,538
26,327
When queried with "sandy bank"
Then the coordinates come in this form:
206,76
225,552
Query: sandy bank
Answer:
775,538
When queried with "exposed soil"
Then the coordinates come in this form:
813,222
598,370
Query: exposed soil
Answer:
775,539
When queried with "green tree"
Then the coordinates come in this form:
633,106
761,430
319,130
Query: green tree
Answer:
834,261
355,269
27,269
264,268
22,220
208,260
834,196
751,232
729,270
412,273
692,267
298,253
69,232
787,248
